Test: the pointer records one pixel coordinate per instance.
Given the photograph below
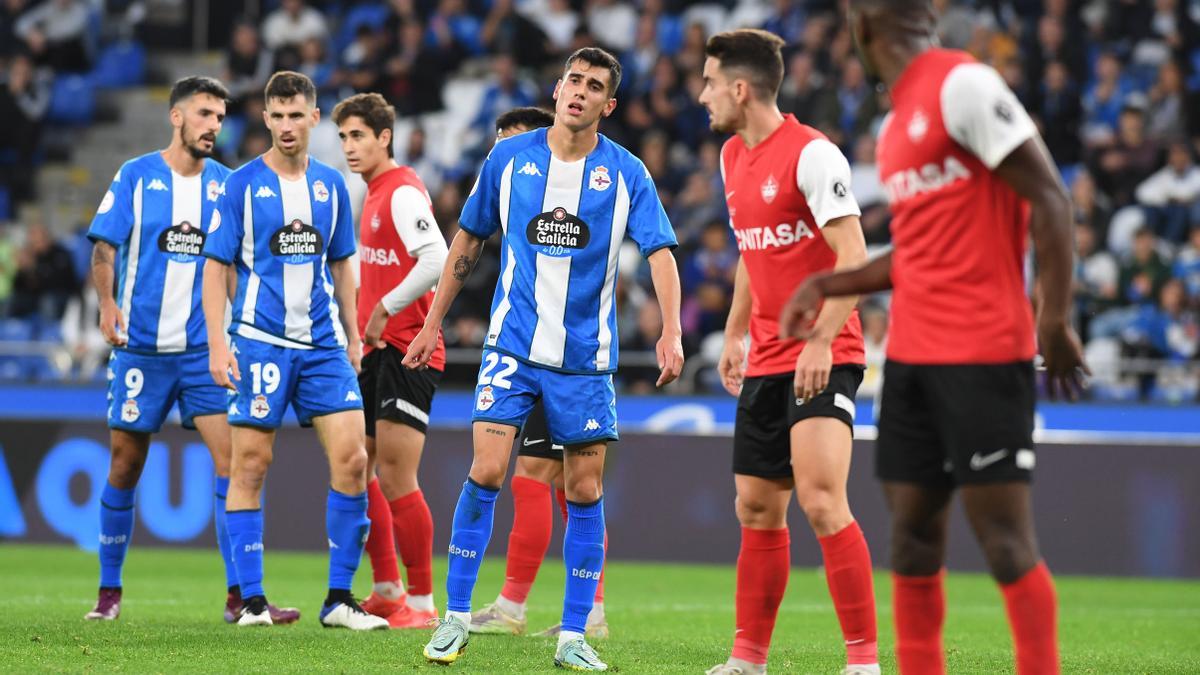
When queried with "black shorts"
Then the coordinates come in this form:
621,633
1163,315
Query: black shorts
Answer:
942,426
395,393
534,439
768,409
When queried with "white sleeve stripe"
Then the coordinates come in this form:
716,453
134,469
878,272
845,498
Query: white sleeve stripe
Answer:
823,177
410,207
982,114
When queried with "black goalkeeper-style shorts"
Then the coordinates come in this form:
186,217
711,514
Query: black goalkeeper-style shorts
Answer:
947,425
767,410
534,439
394,393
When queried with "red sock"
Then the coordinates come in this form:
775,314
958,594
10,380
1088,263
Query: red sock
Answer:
414,536
762,574
380,545
919,607
560,496
533,522
848,573
1031,609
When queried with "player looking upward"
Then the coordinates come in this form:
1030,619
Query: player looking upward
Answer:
403,252
284,224
967,178
539,470
151,221
788,192
564,198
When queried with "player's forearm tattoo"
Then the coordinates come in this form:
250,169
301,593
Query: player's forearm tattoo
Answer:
103,268
102,254
463,266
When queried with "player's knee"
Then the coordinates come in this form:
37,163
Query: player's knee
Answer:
915,553
352,464
1009,555
487,472
584,489
251,467
125,470
754,512
825,508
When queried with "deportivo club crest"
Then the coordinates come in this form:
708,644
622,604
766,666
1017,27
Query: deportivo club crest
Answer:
320,192
770,188
599,179
214,190
918,126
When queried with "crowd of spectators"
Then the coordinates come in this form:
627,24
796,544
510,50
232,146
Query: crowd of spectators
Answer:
1113,84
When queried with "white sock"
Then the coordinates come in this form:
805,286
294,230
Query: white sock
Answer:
465,617
597,613
566,636
513,609
388,590
422,603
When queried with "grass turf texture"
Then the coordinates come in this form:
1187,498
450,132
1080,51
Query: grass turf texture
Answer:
664,619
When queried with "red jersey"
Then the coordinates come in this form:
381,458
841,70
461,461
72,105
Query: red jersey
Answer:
397,222
780,194
958,231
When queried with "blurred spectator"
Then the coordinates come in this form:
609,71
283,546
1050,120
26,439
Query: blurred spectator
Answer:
1166,330
557,20
365,58
638,62
786,20
855,102
416,155
451,27
505,91
1103,99
24,99
81,333
668,178
1187,264
1172,195
292,24
10,42
321,70
1060,114
715,261
1097,276
1143,275
1166,119
1119,167
613,22
875,324
418,69
45,277
868,191
640,380
247,66
955,23
696,205
8,271
505,31
1091,207
804,95
55,33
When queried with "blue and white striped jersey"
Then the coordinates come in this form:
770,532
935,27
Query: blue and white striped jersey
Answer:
154,217
563,223
280,235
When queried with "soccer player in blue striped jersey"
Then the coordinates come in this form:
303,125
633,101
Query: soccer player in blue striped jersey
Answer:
284,224
564,197
148,233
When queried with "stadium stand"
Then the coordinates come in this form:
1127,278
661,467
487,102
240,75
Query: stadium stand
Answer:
1114,86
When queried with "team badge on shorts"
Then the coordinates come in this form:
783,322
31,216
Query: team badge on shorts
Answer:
486,399
259,408
320,192
130,411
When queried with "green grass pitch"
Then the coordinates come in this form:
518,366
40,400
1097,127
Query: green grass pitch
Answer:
665,618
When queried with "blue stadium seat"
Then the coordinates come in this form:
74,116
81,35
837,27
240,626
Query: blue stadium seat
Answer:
72,100
5,204
120,65
50,331
361,15
16,330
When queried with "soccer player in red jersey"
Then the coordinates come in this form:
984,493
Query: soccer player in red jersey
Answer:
790,206
967,177
539,471
402,255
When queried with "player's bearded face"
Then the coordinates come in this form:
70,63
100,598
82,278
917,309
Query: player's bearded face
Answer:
199,123
290,121
717,97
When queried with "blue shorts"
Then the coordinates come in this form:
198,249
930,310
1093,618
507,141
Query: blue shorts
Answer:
142,388
579,408
314,381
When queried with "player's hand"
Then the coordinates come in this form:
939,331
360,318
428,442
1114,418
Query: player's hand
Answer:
1062,358
112,324
354,353
670,358
800,311
221,365
732,365
421,349
812,369
373,334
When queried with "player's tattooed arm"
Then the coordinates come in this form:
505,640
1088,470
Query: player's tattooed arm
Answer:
464,265
112,322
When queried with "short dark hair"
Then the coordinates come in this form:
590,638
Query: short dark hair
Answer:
372,109
197,84
288,83
530,118
596,56
757,53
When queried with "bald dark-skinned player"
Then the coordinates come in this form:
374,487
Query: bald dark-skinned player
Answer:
967,177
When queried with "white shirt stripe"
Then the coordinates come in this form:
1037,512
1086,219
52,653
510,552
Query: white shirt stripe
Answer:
510,265
135,251
180,277
252,285
297,279
620,220
564,187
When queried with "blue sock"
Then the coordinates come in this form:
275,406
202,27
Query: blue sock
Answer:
468,540
231,578
116,528
583,553
246,539
346,524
